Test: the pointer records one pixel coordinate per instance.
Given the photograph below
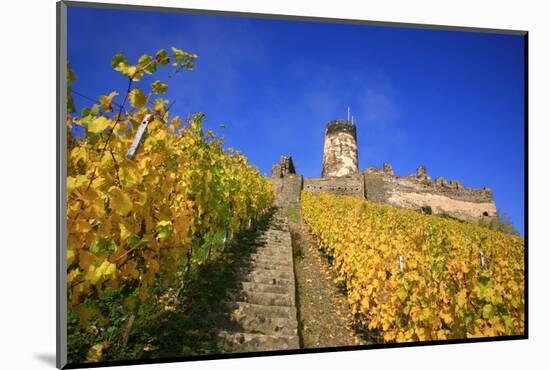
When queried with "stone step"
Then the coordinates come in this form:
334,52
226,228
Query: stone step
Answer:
251,309
266,288
278,218
267,274
271,259
273,244
273,241
280,226
257,323
248,342
273,235
278,222
280,253
261,315
263,279
268,266
276,245
272,255
268,299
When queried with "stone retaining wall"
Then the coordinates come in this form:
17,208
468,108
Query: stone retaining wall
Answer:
287,190
349,185
416,191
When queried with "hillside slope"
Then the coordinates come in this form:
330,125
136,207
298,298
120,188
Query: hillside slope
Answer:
416,277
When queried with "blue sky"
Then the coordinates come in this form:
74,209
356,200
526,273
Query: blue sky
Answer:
453,101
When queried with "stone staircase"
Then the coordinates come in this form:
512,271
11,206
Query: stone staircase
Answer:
261,312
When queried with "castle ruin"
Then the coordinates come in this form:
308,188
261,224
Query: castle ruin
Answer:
340,175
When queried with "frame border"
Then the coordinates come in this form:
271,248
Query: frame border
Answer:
61,185
61,194
289,17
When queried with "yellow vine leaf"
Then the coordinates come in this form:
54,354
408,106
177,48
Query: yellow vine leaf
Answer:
125,233
79,153
461,298
446,318
70,256
72,275
86,260
107,100
95,353
99,124
137,98
120,202
105,269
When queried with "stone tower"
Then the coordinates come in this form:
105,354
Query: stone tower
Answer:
340,152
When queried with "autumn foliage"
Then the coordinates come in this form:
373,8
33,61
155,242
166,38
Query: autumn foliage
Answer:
132,224
416,277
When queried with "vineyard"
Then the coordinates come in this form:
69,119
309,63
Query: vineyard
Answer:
154,201
138,225
415,277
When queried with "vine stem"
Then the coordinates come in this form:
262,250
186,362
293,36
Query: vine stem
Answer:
117,120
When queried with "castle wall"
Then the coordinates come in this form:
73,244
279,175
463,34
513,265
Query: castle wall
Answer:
349,185
340,150
287,190
340,176
416,192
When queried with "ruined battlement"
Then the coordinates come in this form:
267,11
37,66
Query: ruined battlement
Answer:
341,125
421,181
417,191
284,167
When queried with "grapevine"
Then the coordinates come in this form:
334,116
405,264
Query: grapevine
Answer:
416,277
132,224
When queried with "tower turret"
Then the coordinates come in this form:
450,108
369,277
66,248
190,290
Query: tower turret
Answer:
340,151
